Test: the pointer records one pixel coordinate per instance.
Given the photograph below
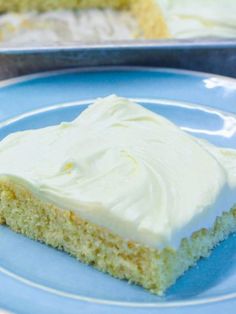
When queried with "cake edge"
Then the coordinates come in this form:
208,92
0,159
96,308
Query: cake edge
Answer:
42,6
153,269
150,18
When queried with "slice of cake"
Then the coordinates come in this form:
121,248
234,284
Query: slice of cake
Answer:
120,188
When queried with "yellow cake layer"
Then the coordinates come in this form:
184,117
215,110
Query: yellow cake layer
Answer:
46,5
150,18
153,269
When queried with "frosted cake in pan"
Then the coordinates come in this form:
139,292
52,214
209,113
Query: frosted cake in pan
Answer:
60,22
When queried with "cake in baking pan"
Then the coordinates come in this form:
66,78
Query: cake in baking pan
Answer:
62,21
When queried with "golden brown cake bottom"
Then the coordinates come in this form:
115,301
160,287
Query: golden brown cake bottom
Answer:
153,269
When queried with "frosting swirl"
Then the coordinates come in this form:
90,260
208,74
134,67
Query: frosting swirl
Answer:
125,168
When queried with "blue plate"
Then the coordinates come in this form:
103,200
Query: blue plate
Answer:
35,278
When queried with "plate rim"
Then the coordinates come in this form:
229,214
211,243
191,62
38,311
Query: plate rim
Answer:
29,77
44,74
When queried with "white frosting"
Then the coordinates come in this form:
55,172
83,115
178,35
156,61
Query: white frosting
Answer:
200,18
65,27
126,168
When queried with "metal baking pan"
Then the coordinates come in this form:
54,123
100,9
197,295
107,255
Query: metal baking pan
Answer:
214,56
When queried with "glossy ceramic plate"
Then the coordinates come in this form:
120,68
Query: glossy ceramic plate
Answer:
35,278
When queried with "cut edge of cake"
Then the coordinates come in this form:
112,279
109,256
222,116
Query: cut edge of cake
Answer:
42,6
150,18
155,270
